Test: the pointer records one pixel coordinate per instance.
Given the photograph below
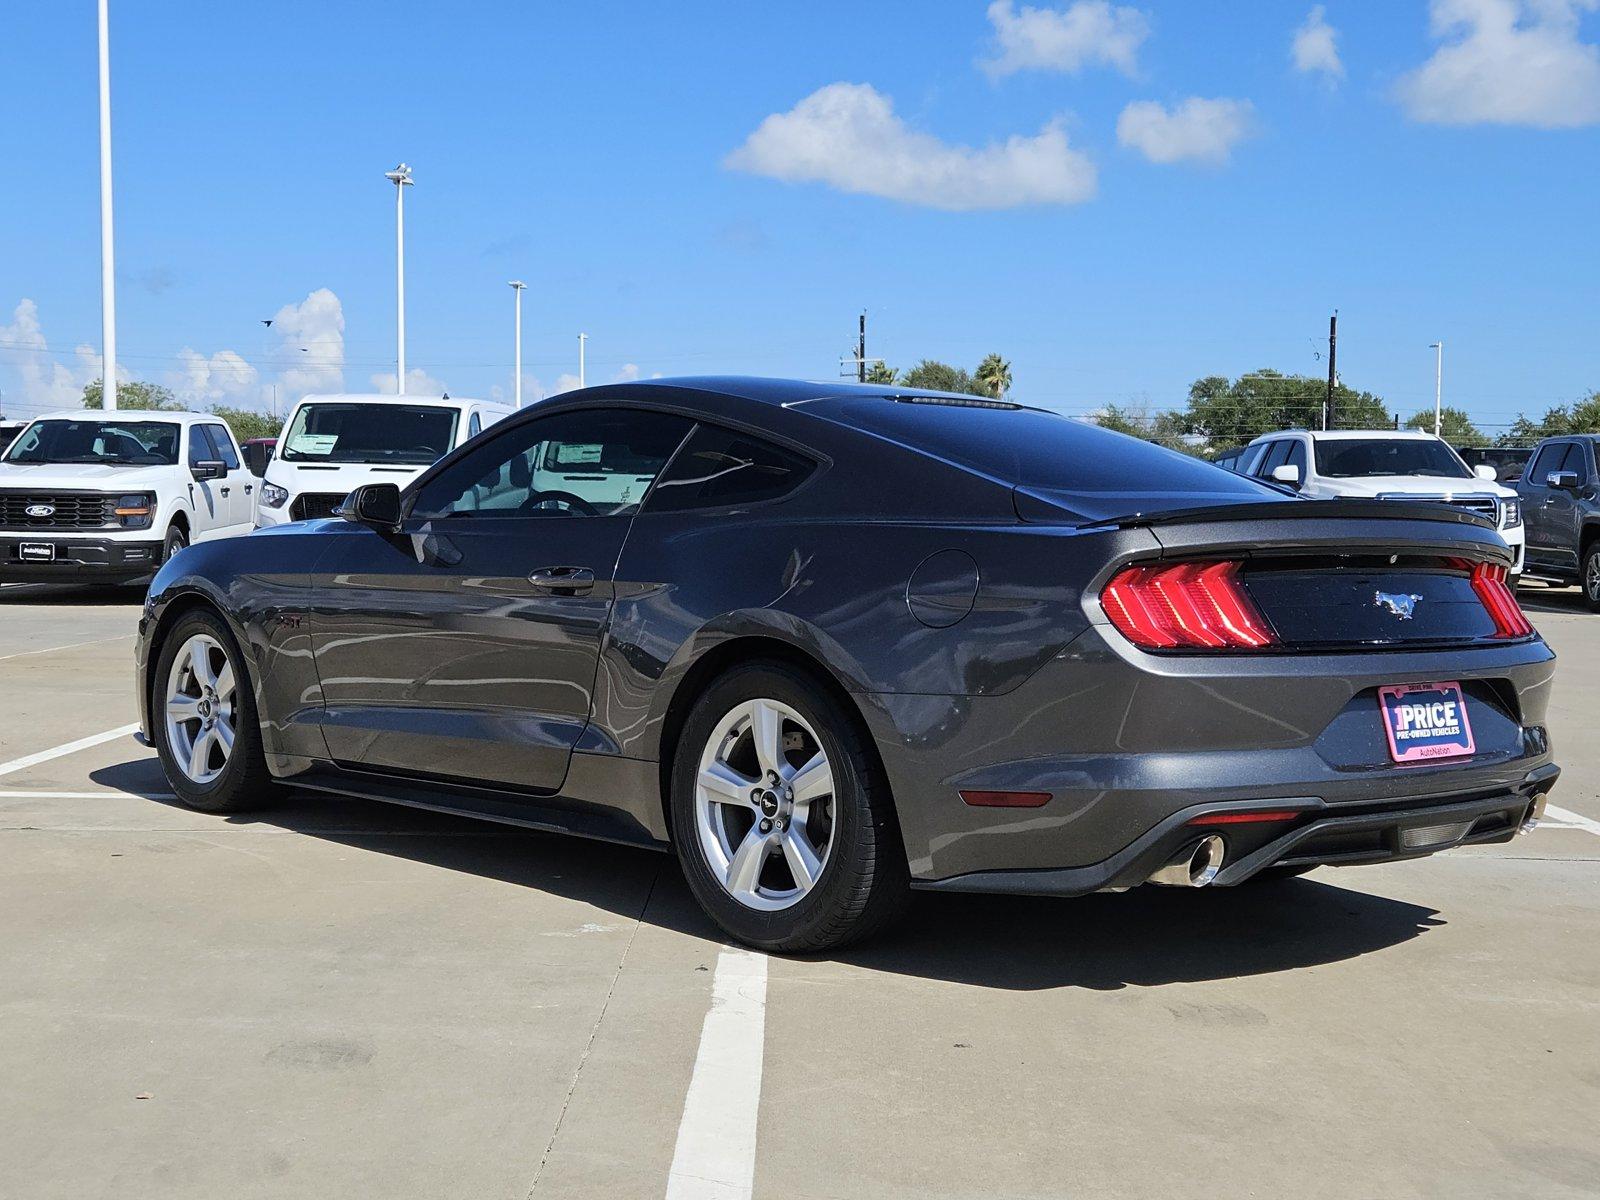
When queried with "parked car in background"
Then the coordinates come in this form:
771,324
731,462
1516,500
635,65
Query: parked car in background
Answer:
850,640
1560,493
9,431
1508,461
257,454
111,496
1385,464
331,445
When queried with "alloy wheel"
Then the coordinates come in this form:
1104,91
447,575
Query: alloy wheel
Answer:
200,709
1591,577
764,805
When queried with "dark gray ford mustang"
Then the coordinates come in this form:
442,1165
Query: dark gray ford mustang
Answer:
835,642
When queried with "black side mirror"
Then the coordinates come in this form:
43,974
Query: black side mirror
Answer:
374,504
210,469
1566,481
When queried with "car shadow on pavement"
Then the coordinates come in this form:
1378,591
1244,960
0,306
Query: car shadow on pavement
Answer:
1144,938
66,595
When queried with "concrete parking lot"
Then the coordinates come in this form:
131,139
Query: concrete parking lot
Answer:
343,999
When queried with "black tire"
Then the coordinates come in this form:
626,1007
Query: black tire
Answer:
864,882
244,783
1589,577
176,540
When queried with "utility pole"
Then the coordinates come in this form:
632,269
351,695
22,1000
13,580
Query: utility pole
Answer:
582,338
516,287
1438,385
108,272
861,350
401,178
1329,420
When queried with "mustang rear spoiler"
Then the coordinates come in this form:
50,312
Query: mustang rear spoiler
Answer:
1035,504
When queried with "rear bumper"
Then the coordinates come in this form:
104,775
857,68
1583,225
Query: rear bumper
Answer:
1319,836
79,560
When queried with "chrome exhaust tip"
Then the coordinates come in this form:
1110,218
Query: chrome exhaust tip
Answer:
1535,814
1196,865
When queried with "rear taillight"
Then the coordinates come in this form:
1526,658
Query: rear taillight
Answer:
1489,581
1185,606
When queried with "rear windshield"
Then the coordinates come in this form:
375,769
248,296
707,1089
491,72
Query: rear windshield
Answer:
126,443
1099,472
414,434
1352,458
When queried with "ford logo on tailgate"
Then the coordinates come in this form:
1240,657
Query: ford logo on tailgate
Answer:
40,510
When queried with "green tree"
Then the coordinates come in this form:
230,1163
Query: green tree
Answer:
1163,428
1233,412
135,394
994,376
1454,426
881,373
1582,417
247,424
941,377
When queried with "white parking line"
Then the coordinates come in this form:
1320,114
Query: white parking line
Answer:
1570,820
69,646
102,795
33,760
715,1157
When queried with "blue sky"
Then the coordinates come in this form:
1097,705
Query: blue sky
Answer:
1118,198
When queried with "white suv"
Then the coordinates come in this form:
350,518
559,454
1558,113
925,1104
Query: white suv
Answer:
111,496
1383,464
331,445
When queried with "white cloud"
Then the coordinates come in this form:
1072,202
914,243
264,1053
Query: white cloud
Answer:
418,383
223,376
46,381
1316,46
1507,62
1064,39
1197,130
563,383
848,136
311,346
629,372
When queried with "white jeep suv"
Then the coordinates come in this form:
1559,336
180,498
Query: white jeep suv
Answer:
108,497
1384,464
331,445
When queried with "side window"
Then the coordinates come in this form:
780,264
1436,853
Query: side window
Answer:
1249,456
475,425
1297,457
200,447
585,463
1272,459
718,467
223,445
1574,461
1543,463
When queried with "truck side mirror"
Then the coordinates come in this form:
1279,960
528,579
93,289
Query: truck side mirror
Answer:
1287,473
1566,481
1485,471
210,469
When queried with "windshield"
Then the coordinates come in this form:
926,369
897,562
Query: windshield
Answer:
416,434
131,443
1352,458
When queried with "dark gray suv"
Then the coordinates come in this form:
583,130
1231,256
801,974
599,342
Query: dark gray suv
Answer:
1560,493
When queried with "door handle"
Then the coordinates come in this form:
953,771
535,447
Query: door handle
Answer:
248,488
225,491
565,581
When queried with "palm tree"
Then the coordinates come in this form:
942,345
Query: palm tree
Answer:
994,373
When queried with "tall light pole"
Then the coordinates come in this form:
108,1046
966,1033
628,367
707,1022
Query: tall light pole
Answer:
582,338
108,275
401,178
516,287
1438,385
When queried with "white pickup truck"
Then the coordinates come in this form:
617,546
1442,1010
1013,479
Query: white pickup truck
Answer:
333,444
108,497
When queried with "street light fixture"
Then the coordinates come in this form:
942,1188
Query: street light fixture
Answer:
517,287
401,178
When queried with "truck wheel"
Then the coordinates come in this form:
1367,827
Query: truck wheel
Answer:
176,540
1591,577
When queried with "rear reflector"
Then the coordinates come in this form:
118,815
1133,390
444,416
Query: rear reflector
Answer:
1489,581
1005,799
1243,818
1189,606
